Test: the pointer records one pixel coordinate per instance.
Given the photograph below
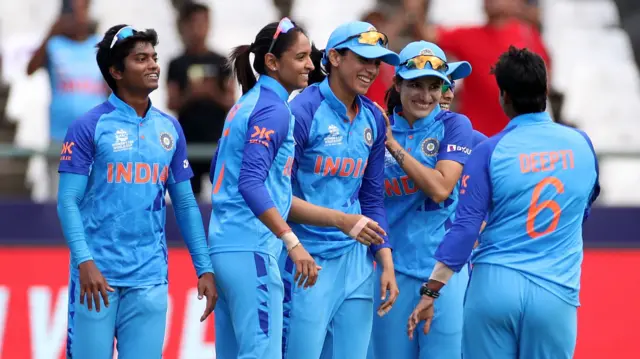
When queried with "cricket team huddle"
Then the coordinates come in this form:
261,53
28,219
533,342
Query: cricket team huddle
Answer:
340,228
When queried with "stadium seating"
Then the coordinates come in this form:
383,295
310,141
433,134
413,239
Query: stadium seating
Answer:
593,63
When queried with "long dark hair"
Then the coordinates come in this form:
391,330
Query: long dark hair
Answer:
392,97
241,62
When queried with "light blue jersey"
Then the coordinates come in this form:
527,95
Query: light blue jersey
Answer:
76,81
536,180
251,174
417,224
338,164
261,117
129,162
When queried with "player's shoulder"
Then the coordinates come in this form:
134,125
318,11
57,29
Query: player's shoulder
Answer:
90,119
489,145
377,114
306,103
451,117
167,117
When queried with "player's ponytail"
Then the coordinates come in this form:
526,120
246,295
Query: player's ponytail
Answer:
242,67
318,74
392,98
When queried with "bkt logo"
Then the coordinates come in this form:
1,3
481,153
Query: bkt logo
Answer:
456,148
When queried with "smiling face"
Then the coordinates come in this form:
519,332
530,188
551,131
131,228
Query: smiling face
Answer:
419,96
447,98
294,65
355,72
141,70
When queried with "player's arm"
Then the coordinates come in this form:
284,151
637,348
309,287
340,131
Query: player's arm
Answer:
267,129
185,206
190,223
303,212
371,198
475,198
371,195
76,160
71,189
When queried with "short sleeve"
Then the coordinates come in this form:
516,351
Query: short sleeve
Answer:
458,139
180,167
78,147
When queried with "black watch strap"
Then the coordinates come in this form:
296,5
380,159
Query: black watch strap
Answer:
424,290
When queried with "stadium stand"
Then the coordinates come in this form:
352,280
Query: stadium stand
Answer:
590,43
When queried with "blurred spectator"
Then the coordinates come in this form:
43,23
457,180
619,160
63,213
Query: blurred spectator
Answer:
284,7
68,54
481,46
201,89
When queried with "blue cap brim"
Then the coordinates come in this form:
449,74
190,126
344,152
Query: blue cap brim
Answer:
459,70
375,52
417,73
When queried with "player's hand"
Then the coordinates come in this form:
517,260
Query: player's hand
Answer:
93,284
306,268
423,311
388,285
362,229
207,288
389,132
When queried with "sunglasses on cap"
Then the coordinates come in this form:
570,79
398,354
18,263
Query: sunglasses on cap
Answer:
420,62
368,38
284,26
447,87
122,34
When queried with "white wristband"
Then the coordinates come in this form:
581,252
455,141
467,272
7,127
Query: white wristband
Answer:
290,240
441,273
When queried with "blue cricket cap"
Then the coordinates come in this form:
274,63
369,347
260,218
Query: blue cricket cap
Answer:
346,37
418,48
459,70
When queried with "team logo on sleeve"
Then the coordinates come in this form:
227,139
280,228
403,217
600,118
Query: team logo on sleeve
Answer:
368,136
456,148
122,141
166,141
430,146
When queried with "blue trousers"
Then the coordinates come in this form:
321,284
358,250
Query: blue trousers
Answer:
508,316
334,317
248,315
136,318
389,337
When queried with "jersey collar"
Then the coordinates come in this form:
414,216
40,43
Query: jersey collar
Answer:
124,107
273,85
401,124
335,103
530,118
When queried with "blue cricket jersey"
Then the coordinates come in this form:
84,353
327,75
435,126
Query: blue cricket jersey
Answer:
477,138
417,224
251,171
537,181
339,164
129,161
77,84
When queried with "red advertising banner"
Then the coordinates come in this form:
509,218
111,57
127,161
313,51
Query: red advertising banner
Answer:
33,306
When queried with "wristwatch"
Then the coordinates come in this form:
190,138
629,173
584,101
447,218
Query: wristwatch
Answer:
424,290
